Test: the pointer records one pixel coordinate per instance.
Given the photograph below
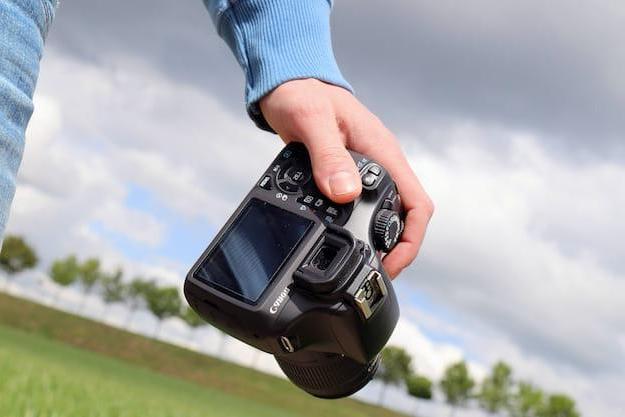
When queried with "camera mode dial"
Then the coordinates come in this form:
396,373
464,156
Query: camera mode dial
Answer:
386,229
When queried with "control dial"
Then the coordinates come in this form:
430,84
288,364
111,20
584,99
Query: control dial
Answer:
386,229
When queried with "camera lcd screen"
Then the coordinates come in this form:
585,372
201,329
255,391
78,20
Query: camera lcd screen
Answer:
250,253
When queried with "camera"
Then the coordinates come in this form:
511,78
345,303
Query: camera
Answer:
300,277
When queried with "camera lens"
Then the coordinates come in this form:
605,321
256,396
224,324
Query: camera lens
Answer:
328,375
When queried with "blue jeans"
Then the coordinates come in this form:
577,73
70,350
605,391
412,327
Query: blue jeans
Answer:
23,27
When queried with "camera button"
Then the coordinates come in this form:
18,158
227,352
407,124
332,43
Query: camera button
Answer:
369,179
332,211
288,187
387,204
265,183
319,203
375,169
296,175
307,199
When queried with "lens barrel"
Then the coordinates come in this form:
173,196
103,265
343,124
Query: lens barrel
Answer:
328,375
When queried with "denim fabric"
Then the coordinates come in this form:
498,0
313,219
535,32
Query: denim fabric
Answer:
23,27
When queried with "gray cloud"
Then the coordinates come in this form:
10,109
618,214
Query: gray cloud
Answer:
178,40
525,245
418,64
551,68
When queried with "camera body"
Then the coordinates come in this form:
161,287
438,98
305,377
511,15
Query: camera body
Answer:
300,277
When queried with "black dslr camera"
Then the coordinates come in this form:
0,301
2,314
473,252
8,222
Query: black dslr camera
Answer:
300,277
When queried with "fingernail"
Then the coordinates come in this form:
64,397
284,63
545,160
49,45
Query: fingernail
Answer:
343,182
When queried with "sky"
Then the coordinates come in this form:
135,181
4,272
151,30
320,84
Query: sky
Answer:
510,114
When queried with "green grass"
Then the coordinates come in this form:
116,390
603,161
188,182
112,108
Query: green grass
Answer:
54,364
39,377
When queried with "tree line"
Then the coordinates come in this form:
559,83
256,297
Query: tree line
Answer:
498,394
162,301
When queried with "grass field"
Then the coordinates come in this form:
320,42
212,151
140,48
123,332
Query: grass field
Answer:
39,377
54,364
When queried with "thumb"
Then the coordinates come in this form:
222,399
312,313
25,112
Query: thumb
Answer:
334,169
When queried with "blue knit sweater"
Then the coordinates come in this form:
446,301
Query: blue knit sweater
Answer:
275,41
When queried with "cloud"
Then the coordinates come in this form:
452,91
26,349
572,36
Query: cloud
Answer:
99,133
511,116
522,251
429,358
137,225
526,66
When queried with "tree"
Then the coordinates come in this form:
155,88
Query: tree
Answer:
526,401
136,296
16,256
494,395
192,319
64,272
419,386
559,405
113,288
457,385
394,368
163,302
89,275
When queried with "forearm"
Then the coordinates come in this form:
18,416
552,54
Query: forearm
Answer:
276,41
23,27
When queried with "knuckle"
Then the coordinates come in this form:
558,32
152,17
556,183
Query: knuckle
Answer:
403,264
303,111
332,156
428,206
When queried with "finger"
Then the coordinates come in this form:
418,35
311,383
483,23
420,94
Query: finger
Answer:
368,136
334,169
407,249
418,208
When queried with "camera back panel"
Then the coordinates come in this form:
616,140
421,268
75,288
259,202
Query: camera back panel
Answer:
292,272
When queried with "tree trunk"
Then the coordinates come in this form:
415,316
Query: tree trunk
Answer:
222,345
190,334
158,328
7,281
105,312
382,394
57,296
130,316
83,304
255,358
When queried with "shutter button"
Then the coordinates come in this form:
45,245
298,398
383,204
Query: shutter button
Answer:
369,179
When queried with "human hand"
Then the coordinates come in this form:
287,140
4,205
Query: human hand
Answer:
328,119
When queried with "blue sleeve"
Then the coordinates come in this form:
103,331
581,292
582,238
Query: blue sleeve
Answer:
276,41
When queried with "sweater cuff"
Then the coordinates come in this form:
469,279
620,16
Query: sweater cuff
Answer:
279,40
